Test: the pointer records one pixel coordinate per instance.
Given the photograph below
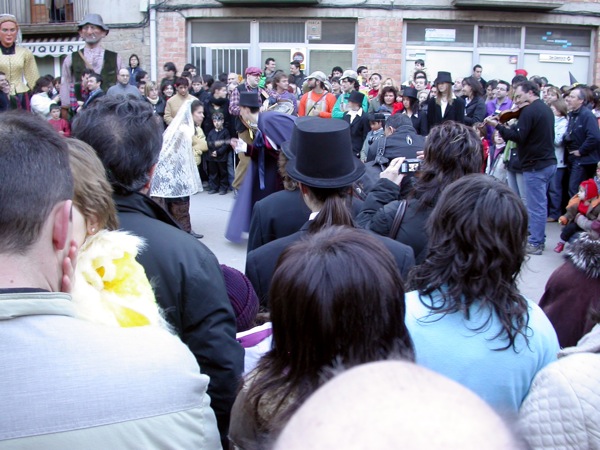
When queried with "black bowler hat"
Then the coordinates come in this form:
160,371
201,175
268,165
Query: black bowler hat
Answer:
443,77
356,97
249,99
322,153
410,92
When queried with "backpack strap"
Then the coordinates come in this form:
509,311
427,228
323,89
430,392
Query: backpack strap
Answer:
398,219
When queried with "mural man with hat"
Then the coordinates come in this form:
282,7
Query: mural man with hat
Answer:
320,159
93,56
319,101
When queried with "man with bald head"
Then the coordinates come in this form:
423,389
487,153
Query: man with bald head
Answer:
123,87
395,404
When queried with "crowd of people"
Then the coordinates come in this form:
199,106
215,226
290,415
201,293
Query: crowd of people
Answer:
388,225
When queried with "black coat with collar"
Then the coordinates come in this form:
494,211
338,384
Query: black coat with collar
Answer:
475,111
189,286
359,129
454,111
280,214
260,263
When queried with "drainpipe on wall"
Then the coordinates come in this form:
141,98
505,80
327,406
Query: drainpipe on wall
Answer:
153,53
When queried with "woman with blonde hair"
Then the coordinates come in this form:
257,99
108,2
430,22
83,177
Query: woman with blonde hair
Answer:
110,286
445,106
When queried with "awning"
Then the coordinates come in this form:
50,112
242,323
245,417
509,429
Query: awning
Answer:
59,46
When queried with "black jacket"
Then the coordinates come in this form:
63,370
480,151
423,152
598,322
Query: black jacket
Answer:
222,150
583,134
280,214
359,129
475,111
189,286
403,142
455,111
379,210
260,263
534,135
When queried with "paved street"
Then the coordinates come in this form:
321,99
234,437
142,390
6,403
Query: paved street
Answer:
210,214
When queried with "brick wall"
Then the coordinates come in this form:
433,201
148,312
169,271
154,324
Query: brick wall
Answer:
126,41
379,46
171,41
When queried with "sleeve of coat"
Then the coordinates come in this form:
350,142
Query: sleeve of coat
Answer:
478,114
592,136
208,329
30,70
337,112
168,117
459,104
551,414
253,274
255,235
375,212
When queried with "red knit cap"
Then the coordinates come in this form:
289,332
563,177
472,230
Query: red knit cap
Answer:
590,188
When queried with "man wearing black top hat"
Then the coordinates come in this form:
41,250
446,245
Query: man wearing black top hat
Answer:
323,165
267,131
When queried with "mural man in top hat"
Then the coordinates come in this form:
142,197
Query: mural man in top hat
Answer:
93,56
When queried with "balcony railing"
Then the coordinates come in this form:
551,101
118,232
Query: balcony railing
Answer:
35,12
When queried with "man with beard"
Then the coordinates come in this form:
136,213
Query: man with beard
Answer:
318,101
93,56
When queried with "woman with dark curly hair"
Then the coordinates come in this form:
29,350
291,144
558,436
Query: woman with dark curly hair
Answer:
323,319
386,101
467,318
451,151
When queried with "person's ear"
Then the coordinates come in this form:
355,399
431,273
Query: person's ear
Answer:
62,225
92,225
146,187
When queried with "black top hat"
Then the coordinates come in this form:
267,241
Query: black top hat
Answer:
410,92
249,99
356,97
321,151
443,77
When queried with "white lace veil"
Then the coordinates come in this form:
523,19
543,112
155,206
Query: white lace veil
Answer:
176,174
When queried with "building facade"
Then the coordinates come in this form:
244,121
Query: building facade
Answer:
546,37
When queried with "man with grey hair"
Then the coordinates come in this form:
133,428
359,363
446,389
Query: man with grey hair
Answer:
582,141
67,382
93,56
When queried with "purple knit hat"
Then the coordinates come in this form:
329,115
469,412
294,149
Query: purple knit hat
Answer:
242,297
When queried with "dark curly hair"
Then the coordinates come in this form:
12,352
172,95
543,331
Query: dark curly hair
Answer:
477,238
452,150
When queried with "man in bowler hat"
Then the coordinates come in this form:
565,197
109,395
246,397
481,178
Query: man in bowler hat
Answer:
322,163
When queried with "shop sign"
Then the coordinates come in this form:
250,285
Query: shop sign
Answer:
440,35
565,59
41,49
313,30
